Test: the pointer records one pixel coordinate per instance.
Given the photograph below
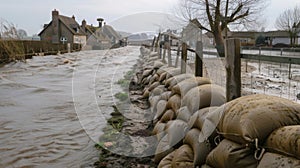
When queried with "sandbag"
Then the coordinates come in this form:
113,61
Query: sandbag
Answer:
174,102
201,150
153,103
230,154
160,109
183,157
166,162
162,70
146,94
166,95
176,79
146,80
159,127
184,86
153,54
168,116
198,118
204,96
154,78
153,86
256,117
162,77
173,72
176,132
151,60
162,149
158,130
183,114
157,91
285,140
146,73
272,160
158,64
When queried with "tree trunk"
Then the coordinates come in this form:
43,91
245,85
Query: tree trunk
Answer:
219,43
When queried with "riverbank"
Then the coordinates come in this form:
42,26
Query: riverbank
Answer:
135,108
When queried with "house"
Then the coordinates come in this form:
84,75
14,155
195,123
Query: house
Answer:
63,29
191,33
282,37
102,36
249,37
96,39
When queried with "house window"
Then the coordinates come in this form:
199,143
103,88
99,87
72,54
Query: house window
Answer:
76,30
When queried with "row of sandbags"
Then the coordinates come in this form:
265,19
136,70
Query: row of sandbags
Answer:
251,131
259,131
179,103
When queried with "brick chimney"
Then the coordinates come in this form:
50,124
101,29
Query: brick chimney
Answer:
55,26
73,17
100,20
83,25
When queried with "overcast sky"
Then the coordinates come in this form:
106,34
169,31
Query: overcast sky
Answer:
30,15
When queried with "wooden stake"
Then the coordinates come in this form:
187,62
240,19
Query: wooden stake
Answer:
233,69
177,56
168,47
183,58
199,57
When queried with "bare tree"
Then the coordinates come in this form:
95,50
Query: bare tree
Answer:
289,21
215,16
21,33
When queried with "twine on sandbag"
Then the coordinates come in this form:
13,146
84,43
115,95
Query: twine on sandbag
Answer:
255,117
231,154
285,141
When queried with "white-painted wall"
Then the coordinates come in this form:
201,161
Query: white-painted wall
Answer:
283,40
79,39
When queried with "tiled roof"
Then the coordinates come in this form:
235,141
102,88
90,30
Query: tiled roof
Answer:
111,31
71,24
97,33
278,33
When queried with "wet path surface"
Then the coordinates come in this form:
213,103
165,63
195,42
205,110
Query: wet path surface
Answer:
39,124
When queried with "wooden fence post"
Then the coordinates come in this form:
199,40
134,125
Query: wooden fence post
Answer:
164,52
153,44
259,63
183,58
178,54
157,43
169,54
233,69
199,57
290,68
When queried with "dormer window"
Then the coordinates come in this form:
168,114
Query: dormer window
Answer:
76,29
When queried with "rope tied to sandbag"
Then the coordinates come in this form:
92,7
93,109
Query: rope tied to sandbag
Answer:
259,152
217,140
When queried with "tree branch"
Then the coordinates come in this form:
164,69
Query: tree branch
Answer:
239,17
239,8
209,16
199,25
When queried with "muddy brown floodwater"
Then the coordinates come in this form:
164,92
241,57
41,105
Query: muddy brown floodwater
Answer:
53,108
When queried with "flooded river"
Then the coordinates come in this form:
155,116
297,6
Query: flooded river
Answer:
53,108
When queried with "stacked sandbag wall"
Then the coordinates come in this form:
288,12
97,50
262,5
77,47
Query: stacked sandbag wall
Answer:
195,127
178,104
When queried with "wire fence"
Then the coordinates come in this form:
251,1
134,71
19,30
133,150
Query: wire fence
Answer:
270,71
